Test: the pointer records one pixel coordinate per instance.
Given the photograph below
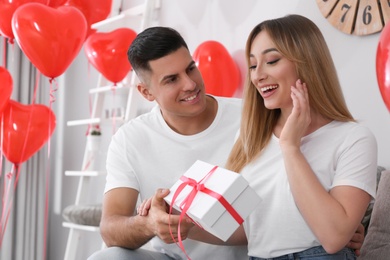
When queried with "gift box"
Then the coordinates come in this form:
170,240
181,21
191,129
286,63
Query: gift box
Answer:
215,198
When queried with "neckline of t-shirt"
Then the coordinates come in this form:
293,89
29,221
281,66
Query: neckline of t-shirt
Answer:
316,132
195,136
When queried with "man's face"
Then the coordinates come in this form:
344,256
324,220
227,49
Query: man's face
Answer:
176,84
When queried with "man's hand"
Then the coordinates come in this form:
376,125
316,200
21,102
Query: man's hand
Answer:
357,240
164,225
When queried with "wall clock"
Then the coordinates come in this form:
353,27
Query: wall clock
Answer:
356,17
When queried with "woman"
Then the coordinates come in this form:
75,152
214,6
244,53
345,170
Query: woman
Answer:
299,147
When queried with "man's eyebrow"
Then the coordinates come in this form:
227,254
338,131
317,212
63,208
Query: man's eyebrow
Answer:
168,77
192,63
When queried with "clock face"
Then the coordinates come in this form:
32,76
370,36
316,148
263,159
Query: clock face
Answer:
357,17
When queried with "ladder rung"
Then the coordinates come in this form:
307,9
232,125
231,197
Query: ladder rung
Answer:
80,227
85,173
84,122
106,88
134,11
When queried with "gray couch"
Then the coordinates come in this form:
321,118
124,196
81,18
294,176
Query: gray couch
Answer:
376,244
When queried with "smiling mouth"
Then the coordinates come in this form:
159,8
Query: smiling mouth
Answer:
268,88
190,98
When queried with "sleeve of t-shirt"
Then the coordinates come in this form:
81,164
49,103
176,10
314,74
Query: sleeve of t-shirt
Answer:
357,162
119,170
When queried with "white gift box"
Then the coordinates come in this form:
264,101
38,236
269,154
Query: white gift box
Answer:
208,211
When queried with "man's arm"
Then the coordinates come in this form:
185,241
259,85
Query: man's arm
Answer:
120,227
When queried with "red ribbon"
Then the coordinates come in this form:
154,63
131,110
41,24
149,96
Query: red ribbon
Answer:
186,203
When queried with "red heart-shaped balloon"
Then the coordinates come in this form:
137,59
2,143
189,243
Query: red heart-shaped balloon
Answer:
26,128
219,71
56,3
51,38
383,65
94,11
107,52
7,9
5,87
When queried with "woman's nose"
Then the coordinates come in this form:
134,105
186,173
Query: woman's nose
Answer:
259,75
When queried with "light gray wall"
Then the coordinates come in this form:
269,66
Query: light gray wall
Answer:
229,22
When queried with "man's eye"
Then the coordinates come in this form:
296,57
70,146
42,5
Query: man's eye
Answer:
173,79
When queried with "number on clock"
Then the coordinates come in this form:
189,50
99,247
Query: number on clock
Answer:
358,17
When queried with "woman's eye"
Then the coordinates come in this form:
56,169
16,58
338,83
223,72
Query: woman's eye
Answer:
273,61
252,67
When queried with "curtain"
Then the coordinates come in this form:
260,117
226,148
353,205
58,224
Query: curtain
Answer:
25,236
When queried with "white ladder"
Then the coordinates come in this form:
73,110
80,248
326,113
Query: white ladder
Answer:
145,12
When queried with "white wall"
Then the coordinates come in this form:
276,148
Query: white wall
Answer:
229,22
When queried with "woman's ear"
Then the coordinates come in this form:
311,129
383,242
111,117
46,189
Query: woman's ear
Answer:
144,90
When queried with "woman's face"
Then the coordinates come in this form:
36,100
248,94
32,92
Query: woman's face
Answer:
271,73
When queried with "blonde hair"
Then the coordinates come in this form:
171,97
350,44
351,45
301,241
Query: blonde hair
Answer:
299,40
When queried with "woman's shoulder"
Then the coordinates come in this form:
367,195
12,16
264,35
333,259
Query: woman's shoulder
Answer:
354,131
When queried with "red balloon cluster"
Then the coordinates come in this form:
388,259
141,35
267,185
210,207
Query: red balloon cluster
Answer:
26,129
56,3
94,11
383,65
5,87
219,71
51,32
51,38
107,52
7,10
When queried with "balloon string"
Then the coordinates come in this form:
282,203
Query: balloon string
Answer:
1,143
36,87
89,162
90,115
7,201
30,116
47,196
52,91
47,190
114,119
4,53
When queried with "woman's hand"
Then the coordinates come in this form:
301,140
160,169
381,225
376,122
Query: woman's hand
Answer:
143,208
299,119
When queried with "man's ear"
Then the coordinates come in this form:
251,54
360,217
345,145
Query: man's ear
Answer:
144,90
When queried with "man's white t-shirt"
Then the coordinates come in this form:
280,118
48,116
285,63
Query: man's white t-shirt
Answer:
146,154
339,153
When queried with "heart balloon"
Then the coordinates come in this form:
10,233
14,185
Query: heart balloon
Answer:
219,71
51,38
7,9
107,52
26,129
5,87
94,11
56,3
383,65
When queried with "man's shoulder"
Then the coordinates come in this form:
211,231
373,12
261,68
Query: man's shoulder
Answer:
141,122
229,102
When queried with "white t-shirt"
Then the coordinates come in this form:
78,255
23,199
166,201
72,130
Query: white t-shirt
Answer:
339,154
146,154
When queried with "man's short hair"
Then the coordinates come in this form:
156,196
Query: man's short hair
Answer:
151,44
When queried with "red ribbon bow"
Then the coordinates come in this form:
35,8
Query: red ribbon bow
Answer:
186,203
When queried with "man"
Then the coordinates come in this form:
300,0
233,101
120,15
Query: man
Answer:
155,149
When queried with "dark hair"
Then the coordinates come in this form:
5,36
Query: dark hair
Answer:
153,43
